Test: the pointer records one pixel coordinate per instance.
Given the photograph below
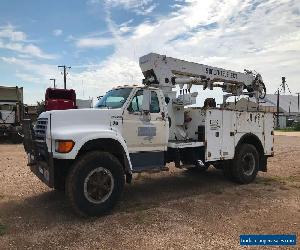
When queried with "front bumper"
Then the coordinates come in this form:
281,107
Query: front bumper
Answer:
40,160
43,169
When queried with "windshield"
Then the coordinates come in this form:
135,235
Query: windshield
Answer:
114,98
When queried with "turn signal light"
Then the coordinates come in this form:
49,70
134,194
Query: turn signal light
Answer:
64,146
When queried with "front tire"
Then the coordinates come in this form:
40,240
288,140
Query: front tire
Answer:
95,183
246,164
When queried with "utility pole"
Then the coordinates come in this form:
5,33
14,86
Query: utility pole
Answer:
298,102
53,79
277,109
283,84
65,74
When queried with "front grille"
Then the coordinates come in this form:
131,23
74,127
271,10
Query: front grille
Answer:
40,129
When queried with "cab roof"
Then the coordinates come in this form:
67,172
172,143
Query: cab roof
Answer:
132,86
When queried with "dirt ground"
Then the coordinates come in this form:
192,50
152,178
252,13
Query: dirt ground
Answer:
287,133
172,210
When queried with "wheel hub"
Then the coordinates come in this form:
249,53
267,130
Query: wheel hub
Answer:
98,185
248,162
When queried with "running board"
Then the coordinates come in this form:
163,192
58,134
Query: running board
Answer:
154,169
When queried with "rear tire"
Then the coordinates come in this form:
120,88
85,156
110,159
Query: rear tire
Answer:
246,164
95,183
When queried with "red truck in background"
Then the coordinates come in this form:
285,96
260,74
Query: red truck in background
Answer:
60,99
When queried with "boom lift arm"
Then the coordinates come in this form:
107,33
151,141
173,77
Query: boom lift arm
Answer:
166,72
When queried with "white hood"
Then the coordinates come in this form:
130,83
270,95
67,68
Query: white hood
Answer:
66,122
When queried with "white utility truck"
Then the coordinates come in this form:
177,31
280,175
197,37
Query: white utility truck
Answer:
90,153
11,112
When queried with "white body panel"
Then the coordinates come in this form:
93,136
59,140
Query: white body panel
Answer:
213,130
225,128
228,141
269,127
73,125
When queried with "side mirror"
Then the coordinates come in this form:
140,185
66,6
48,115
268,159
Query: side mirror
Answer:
146,101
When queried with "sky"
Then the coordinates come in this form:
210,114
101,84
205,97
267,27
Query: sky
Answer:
102,40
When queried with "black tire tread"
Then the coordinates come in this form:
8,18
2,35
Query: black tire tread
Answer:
236,170
82,161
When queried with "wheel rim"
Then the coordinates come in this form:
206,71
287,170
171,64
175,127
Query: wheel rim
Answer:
248,163
98,185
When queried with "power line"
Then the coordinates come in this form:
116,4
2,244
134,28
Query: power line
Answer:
65,74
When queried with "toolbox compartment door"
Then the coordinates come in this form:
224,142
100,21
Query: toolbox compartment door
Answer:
213,134
228,132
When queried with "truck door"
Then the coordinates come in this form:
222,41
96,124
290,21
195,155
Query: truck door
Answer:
146,139
141,134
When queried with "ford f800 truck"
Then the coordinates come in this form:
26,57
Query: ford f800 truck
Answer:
91,153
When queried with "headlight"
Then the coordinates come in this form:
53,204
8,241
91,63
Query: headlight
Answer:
64,146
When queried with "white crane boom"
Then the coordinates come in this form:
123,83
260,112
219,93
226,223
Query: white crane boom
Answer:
165,72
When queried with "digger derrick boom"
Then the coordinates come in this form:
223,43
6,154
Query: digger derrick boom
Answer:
166,72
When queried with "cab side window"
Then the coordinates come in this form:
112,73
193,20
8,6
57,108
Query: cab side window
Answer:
136,103
137,100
